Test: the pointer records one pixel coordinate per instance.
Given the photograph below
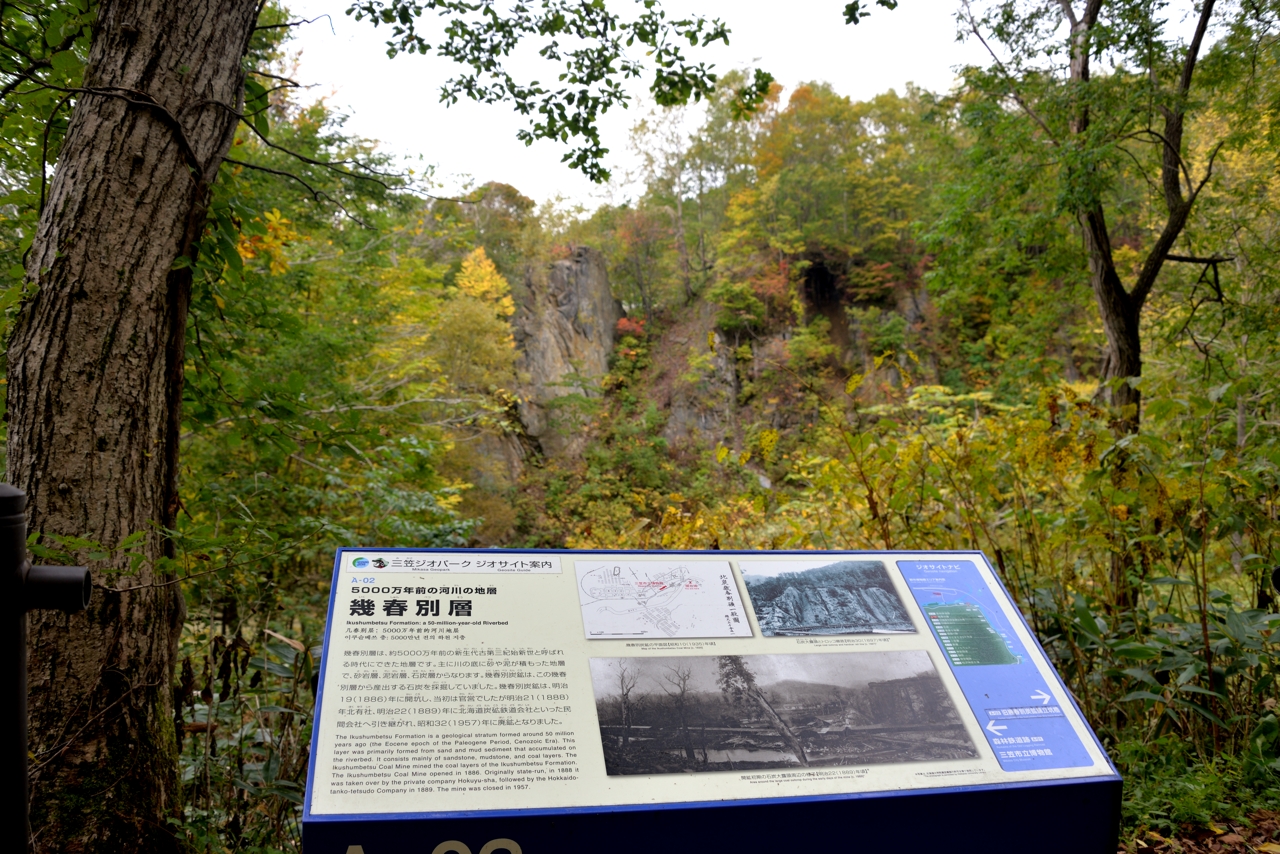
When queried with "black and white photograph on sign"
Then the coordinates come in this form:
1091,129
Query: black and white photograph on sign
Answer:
847,597
658,599
743,712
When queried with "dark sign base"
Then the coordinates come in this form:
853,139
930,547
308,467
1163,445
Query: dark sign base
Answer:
1056,817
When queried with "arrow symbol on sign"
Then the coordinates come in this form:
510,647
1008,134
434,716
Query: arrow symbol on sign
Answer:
1042,697
993,727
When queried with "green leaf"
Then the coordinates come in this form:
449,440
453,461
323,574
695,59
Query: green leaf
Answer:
282,651
274,667
1202,711
1135,651
66,63
53,33
132,539
1141,695
279,789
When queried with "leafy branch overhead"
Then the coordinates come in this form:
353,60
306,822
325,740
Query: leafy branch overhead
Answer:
590,42
856,11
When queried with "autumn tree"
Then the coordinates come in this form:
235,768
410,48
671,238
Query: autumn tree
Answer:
1104,95
155,93
642,240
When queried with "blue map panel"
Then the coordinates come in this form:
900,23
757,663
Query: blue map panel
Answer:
1021,713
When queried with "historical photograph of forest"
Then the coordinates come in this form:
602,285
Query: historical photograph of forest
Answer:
849,597
741,712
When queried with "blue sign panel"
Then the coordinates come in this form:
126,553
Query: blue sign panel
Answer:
1021,713
522,701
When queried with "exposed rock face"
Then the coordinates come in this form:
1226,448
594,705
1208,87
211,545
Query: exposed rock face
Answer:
833,610
702,411
849,597
564,327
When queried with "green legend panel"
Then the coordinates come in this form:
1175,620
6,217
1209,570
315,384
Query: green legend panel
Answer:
967,636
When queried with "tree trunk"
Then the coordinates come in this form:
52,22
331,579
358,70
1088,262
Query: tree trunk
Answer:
686,735
780,725
95,387
1120,313
1121,309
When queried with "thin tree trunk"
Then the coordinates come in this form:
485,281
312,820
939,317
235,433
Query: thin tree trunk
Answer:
686,734
95,387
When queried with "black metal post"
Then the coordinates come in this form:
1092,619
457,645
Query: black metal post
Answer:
26,587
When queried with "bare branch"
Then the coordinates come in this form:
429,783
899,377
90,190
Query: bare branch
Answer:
1169,149
36,65
296,23
1069,12
1017,96
316,195
288,80
1196,259
1193,50
136,98
1208,172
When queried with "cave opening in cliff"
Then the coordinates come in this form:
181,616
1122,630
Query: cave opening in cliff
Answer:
820,287
823,293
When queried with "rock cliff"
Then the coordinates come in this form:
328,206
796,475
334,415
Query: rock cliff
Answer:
848,597
833,610
564,328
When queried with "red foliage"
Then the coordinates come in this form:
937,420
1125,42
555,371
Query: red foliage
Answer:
634,328
772,286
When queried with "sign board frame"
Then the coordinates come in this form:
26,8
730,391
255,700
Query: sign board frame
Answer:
1030,784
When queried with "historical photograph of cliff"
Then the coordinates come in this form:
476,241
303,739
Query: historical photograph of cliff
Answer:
742,712
850,597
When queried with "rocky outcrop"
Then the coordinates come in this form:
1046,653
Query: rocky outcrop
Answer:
564,327
833,610
703,402
849,597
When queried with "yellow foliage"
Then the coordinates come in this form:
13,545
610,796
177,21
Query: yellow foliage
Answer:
768,442
280,233
479,278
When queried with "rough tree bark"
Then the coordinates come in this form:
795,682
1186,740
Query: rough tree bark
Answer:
95,386
1121,308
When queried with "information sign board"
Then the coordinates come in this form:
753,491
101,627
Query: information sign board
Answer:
530,701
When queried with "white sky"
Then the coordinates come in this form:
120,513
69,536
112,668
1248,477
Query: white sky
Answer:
848,669
397,101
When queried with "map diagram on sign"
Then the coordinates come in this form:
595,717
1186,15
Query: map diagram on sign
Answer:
661,600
